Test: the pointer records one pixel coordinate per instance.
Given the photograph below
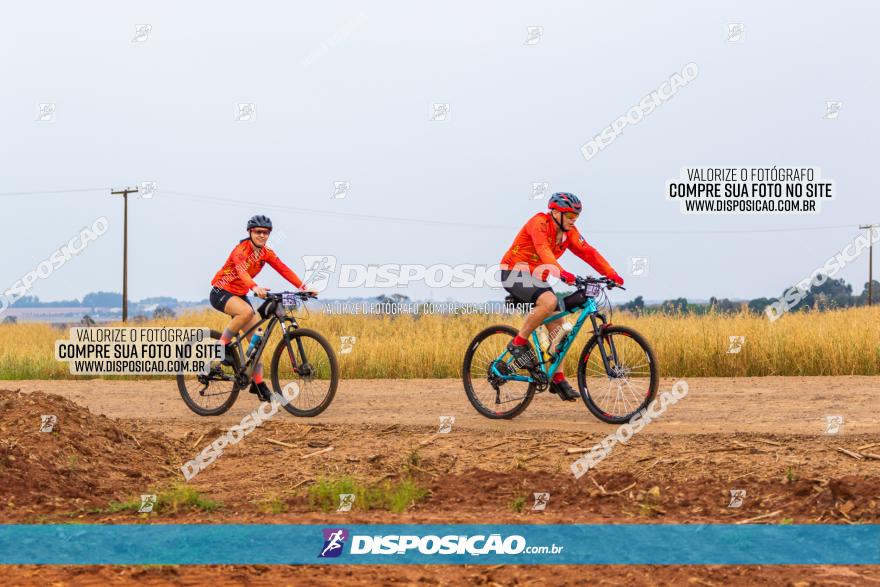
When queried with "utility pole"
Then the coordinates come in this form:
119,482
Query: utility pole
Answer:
869,227
124,193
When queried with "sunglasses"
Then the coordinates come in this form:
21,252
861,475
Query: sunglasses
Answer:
571,215
261,232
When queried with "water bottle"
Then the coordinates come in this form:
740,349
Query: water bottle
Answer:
544,339
255,341
560,336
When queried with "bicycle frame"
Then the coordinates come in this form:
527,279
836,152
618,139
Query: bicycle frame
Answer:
587,310
248,363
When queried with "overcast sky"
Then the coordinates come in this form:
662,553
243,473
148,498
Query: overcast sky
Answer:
343,91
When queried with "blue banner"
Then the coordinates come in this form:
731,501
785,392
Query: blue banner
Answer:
239,544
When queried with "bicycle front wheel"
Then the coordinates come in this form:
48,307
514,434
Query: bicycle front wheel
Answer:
311,364
493,396
629,384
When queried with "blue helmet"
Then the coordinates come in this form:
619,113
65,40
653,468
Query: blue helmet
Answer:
565,202
259,221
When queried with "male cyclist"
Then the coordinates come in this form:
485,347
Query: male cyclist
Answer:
527,264
235,279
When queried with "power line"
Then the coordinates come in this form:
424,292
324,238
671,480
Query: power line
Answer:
743,231
251,203
334,214
50,192
423,221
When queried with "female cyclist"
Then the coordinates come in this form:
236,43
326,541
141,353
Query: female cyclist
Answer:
235,279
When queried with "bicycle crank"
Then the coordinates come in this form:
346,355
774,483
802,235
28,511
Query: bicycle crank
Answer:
541,381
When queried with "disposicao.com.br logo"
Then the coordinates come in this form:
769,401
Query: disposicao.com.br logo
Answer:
476,545
334,541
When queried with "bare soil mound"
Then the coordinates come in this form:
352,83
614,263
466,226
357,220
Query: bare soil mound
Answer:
85,461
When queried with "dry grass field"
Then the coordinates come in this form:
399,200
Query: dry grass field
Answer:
840,342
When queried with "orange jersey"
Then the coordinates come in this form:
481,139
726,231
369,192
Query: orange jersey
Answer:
244,263
536,245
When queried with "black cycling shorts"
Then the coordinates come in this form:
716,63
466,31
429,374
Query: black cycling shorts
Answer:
219,297
523,286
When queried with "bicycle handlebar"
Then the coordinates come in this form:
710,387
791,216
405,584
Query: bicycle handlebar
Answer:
303,295
609,284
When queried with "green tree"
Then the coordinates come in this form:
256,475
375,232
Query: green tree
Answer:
834,293
862,300
724,306
163,312
636,306
103,299
759,305
678,305
27,301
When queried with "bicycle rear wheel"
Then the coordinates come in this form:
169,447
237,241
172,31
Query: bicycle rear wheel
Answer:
312,366
209,394
491,396
632,384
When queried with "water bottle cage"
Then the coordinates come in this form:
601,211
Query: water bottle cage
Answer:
252,348
562,340
551,350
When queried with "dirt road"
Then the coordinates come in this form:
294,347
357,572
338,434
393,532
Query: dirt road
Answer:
787,405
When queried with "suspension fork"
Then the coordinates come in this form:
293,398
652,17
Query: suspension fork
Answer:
299,345
599,333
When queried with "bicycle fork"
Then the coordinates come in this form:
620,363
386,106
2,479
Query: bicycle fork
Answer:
290,353
297,365
599,333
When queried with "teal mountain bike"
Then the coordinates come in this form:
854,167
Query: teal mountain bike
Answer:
617,373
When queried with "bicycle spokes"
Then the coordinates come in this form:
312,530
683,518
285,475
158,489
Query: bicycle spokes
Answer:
491,378
618,374
210,392
306,363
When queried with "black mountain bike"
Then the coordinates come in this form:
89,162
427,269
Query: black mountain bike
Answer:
302,356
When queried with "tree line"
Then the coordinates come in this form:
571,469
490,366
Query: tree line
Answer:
832,294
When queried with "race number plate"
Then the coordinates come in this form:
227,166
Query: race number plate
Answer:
288,299
592,290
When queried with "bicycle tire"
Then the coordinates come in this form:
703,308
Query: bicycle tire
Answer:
468,381
333,364
187,399
582,375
